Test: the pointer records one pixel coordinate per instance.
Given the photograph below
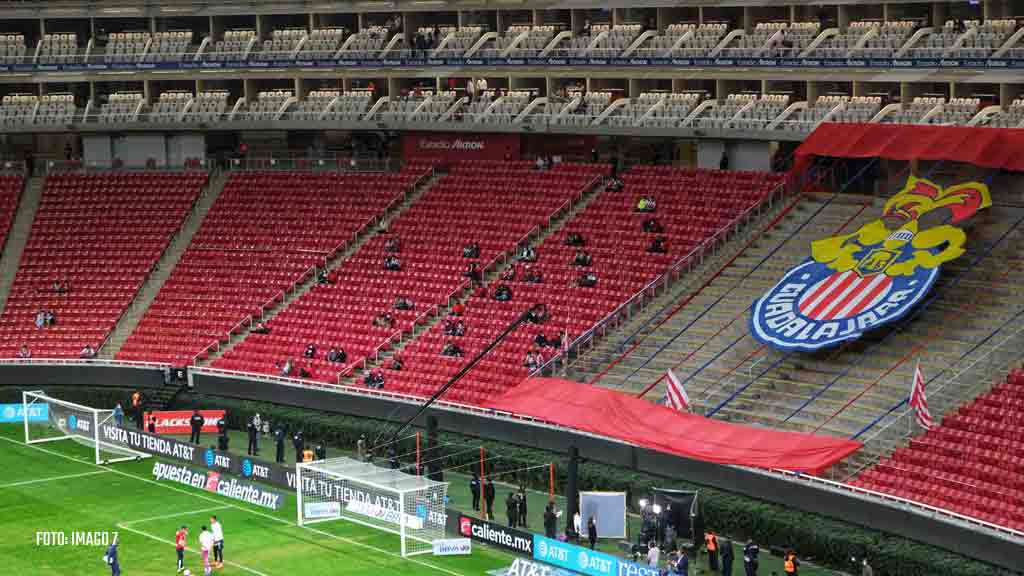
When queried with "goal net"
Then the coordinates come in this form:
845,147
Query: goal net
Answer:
69,421
386,499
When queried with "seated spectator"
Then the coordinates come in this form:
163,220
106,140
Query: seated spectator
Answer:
396,363
49,319
310,351
527,254
473,273
614,184
23,352
392,263
658,245
533,361
458,309
40,320
384,321
587,280
538,314
449,327
541,164
336,355
460,329
471,250
574,239
503,293
404,304
87,352
646,204
540,340
582,258
261,328
306,371
509,275
652,225
534,275
451,350
393,245
321,278
56,288
374,379
286,368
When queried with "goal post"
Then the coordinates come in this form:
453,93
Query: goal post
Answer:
409,506
69,421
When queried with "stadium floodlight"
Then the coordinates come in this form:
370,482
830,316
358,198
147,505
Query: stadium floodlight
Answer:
410,506
69,421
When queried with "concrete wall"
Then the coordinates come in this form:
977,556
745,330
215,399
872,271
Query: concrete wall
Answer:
181,147
743,154
137,149
97,150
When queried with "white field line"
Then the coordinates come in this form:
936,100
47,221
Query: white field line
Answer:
52,478
169,543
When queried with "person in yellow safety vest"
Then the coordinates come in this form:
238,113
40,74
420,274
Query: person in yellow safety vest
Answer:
790,564
711,543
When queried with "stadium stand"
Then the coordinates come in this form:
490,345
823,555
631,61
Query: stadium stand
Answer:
126,46
366,43
170,106
455,41
971,464
98,235
315,104
12,48
17,109
121,107
269,105
432,233
322,43
236,45
10,192
240,259
208,106
56,109
613,236
352,105
281,45
172,46
57,49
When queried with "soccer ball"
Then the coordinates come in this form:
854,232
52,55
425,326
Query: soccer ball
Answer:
187,572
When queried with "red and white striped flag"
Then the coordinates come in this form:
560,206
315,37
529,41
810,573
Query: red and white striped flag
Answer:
918,400
675,395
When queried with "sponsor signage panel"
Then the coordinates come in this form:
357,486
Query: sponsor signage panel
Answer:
39,412
453,547
449,147
322,509
217,483
575,558
515,541
177,421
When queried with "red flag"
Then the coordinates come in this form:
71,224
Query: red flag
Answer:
918,400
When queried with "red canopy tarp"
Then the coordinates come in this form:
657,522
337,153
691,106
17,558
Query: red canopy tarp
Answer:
643,423
988,147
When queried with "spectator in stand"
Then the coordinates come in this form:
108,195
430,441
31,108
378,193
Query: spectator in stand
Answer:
87,352
49,318
384,320
374,379
652,225
503,293
458,310
541,340
40,320
538,314
392,263
336,355
658,245
509,275
527,254
310,351
646,204
587,280
473,273
533,361
534,275
307,370
261,328
396,363
574,239
582,258
614,184
481,85
23,352
393,245
287,367
404,304
471,250
322,279
723,162
451,350
540,164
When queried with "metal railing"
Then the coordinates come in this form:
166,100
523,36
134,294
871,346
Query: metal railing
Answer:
661,285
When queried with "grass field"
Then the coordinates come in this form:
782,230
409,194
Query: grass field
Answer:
55,487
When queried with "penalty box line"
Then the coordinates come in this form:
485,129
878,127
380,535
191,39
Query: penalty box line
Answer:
124,526
249,510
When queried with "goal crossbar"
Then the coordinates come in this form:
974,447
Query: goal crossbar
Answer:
68,420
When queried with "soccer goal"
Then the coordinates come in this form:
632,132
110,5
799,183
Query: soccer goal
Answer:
386,499
48,419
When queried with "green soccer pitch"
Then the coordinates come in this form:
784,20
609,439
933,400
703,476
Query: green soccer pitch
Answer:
55,488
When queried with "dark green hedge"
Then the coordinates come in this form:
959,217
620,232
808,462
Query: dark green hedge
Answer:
828,541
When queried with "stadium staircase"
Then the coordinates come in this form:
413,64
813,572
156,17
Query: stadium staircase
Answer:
18,235
488,279
304,287
155,281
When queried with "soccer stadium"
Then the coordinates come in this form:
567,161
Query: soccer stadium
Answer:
511,288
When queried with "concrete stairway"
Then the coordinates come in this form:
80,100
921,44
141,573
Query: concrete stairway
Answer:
18,235
159,275
303,287
545,232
